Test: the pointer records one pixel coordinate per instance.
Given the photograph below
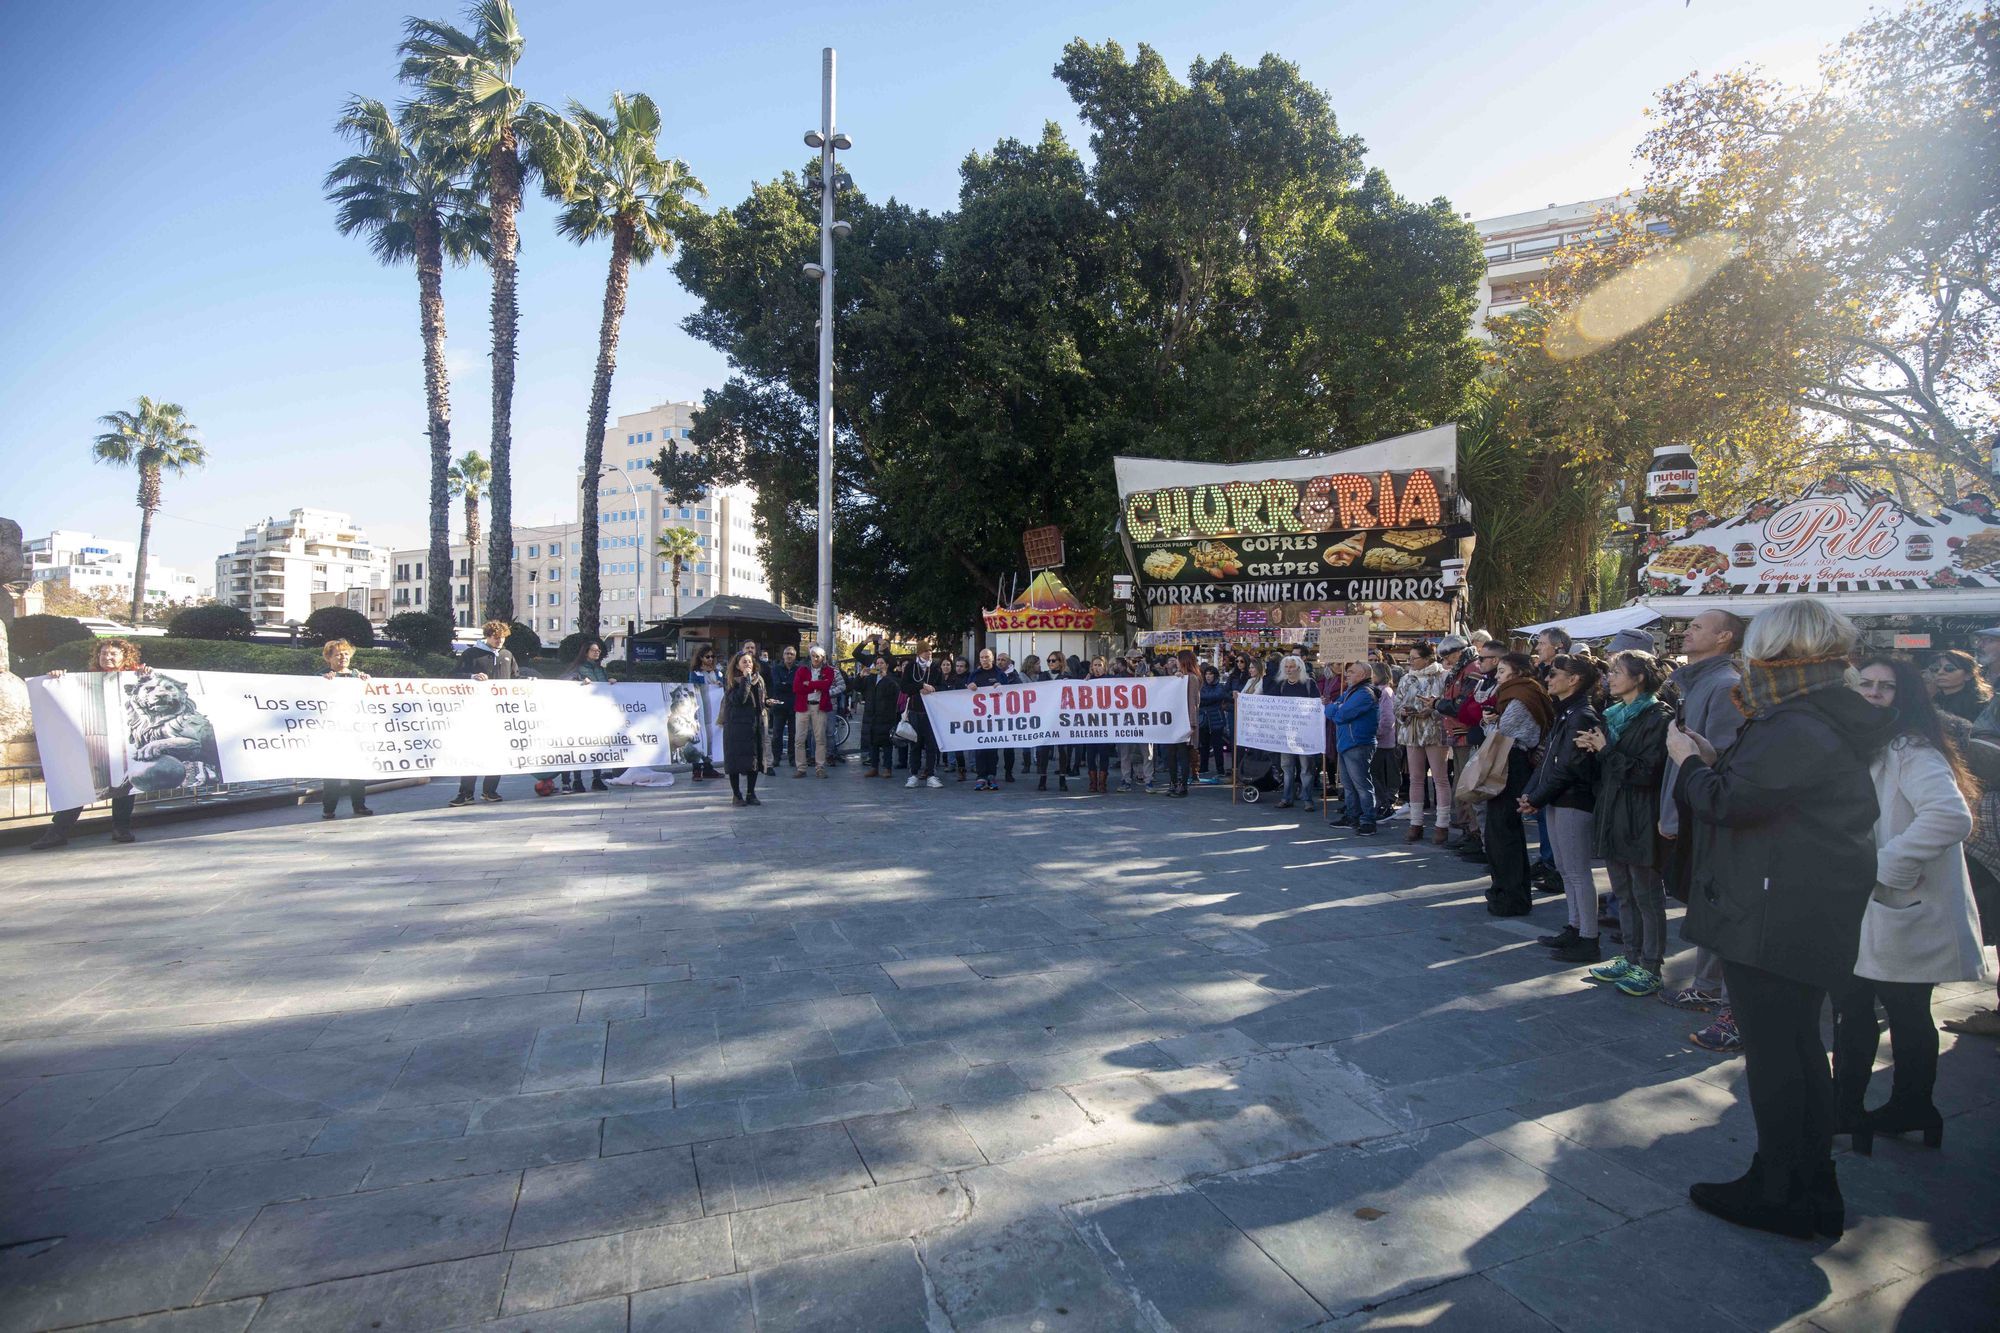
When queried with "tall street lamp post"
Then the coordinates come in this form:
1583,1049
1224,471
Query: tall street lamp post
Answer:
831,181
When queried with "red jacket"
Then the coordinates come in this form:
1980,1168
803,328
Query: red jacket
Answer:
806,683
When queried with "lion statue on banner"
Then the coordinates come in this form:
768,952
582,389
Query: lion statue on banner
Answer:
173,742
684,722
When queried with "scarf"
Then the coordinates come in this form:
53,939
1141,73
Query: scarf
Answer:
1774,681
1528,692
1618,715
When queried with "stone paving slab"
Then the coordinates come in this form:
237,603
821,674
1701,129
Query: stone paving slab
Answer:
895,1059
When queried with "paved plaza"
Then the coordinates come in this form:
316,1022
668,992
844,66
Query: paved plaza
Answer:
878,1060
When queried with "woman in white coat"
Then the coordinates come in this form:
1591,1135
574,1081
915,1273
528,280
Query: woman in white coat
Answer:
1921,927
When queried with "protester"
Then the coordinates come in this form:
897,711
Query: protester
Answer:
1388,754
812,701
338,654
1920,927
985,761
1458,725
1520,710
1216,705
1422,737
782,724
1707,690
1007,674
1784,861
1564,788
922,677
882,698
1291,683
109,655
743,721
1631,750
1954,677
1097,756
703,672
1135,763
1180,754
1986,644
1356,715
587,667
487,661
960,679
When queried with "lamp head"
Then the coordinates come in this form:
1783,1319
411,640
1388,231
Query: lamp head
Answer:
815,272
813,139
841,141
843,228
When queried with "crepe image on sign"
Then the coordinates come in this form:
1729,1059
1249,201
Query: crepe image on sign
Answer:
1163,565
1689,561
1415,539
1979,551
1216,560
1390,559
1344,553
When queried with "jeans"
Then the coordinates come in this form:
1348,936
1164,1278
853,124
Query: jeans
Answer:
1546,856
985,763
1642,912
1292,780
1507,841
781,734
1388,778
492,786
1571,831
1912,1032
1177,757
1357,781
122,802
331,790
1784,1064
1099,759
1431,757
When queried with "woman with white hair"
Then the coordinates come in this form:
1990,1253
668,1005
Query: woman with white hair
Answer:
1292,682
1784,862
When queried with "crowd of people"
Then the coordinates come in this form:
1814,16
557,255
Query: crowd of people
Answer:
1830,817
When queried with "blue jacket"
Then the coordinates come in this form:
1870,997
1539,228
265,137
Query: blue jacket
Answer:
1355,716
1215,702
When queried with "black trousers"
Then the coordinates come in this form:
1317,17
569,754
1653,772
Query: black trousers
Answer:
330,792
879,756
1507,841
783,735
1791,1088
1912,1031
924,755
465,785
1177,756
122,802
1213,742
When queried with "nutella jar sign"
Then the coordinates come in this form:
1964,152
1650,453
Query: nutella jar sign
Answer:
1671,478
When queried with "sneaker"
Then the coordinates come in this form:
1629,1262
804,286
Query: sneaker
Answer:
492,796
932,782
328,814
1692,997
364,812
459,800
123,835
1638,982
1615,970
1721,1035
1365,830
1562,939
1582,951
914,780
50,838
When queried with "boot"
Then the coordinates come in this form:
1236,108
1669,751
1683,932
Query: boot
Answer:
1748,1202
1829,1210
1043,785
1906,1117
1062,782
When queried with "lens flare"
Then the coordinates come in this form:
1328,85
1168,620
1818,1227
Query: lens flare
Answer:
1639,295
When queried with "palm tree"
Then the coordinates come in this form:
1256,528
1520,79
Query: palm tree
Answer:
156,439
469,477
413,203
613,182
679,548
468,103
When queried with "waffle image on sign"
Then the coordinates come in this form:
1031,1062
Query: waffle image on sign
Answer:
1415,539
1980,551
1163,565
1390,559
1689,561
1216,560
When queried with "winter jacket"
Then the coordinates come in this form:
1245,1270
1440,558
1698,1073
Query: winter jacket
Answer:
1215,704
1708,709
1300,689
985,678
1783,837
1416,697
1629,772
778,685
1920,924
587,672
884,697
812,688
493,663
1566,774
743,726
1355,716
1385,727
915,675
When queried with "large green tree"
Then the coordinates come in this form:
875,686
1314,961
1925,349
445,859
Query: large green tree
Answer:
155,439
1224,280
414,204
469,104
613,184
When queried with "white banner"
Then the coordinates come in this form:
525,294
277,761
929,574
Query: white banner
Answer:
172,729
1281,724
1106,710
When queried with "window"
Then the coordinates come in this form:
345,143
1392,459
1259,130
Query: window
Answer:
555,599
700,540
1522,249
686,434
420,569
685,512
531,599
534,551
701,514
555,574
554,623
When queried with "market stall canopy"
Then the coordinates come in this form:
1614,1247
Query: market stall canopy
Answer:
1046,603
1370,524
1598,624
1851,544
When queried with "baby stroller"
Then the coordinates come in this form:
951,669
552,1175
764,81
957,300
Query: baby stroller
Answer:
1257,773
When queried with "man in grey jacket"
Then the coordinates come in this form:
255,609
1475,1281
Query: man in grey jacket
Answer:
1708,708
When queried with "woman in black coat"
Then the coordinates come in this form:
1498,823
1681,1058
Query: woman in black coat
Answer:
1631,751
744,705
1784,861
881,693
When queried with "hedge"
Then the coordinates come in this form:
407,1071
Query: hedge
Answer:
30,635
338,622
260,658
212,621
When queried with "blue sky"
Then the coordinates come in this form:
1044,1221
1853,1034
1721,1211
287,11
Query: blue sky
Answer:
164,231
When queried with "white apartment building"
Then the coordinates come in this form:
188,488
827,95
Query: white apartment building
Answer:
632,512
544,568
90,564
1519,247
281,562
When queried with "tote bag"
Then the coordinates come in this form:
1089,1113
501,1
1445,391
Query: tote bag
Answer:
1486,776
905,730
